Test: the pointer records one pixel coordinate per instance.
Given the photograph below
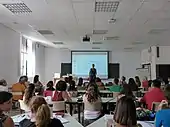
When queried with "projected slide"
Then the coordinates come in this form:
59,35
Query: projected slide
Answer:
82,62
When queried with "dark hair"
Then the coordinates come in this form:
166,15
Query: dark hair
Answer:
138,82
29,93
93,65
61,86
149,83
72,86
36,78
5,96
66,79
127,91
123,78
132,84
23,79
116,81
98,79
39,106
70,78
92,92
50,85
125,112
156,83
3,82
80,82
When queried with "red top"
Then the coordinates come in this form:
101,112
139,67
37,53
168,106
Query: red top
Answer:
57,96
48,93
145,84
154,95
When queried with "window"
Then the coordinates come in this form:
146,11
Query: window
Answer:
27,58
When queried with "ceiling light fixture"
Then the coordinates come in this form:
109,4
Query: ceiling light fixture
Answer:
109,6
17,8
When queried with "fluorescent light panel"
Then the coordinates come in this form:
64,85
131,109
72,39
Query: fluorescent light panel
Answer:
17,8
109,6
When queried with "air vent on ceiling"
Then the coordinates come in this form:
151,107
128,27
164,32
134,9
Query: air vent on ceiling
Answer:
129,48
45,32
95,47
100,31
64,48
108,6
17,8
58,43
157,31
137,43
96,43
112,38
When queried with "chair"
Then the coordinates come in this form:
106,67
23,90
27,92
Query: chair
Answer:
58,106
15,102
155,106
115,94
23,106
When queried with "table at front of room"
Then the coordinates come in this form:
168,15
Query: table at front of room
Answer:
79,103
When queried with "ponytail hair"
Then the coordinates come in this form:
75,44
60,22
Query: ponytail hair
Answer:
43,116
92,92
39,106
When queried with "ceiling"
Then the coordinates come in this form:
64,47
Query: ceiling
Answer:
139,23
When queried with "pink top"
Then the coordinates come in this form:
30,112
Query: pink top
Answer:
58,96
145,84
48,93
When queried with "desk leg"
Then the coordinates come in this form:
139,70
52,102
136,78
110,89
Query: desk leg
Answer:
79,113
71,109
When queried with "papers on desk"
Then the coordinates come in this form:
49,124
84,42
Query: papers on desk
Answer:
146,124
63,121
18,118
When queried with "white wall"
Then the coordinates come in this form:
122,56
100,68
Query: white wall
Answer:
129,61
9,54
40,61
53,59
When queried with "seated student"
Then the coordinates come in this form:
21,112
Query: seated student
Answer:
60,94
40,115
167,93
29,93
145,83
137,81
132,84
38,85
162,116
3,85
154,95
125,113
72,89
99,83
5,106
92,104
49,90
123,81
20,87
126,91
116,87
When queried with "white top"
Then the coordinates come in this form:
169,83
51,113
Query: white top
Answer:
4,88
91,110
